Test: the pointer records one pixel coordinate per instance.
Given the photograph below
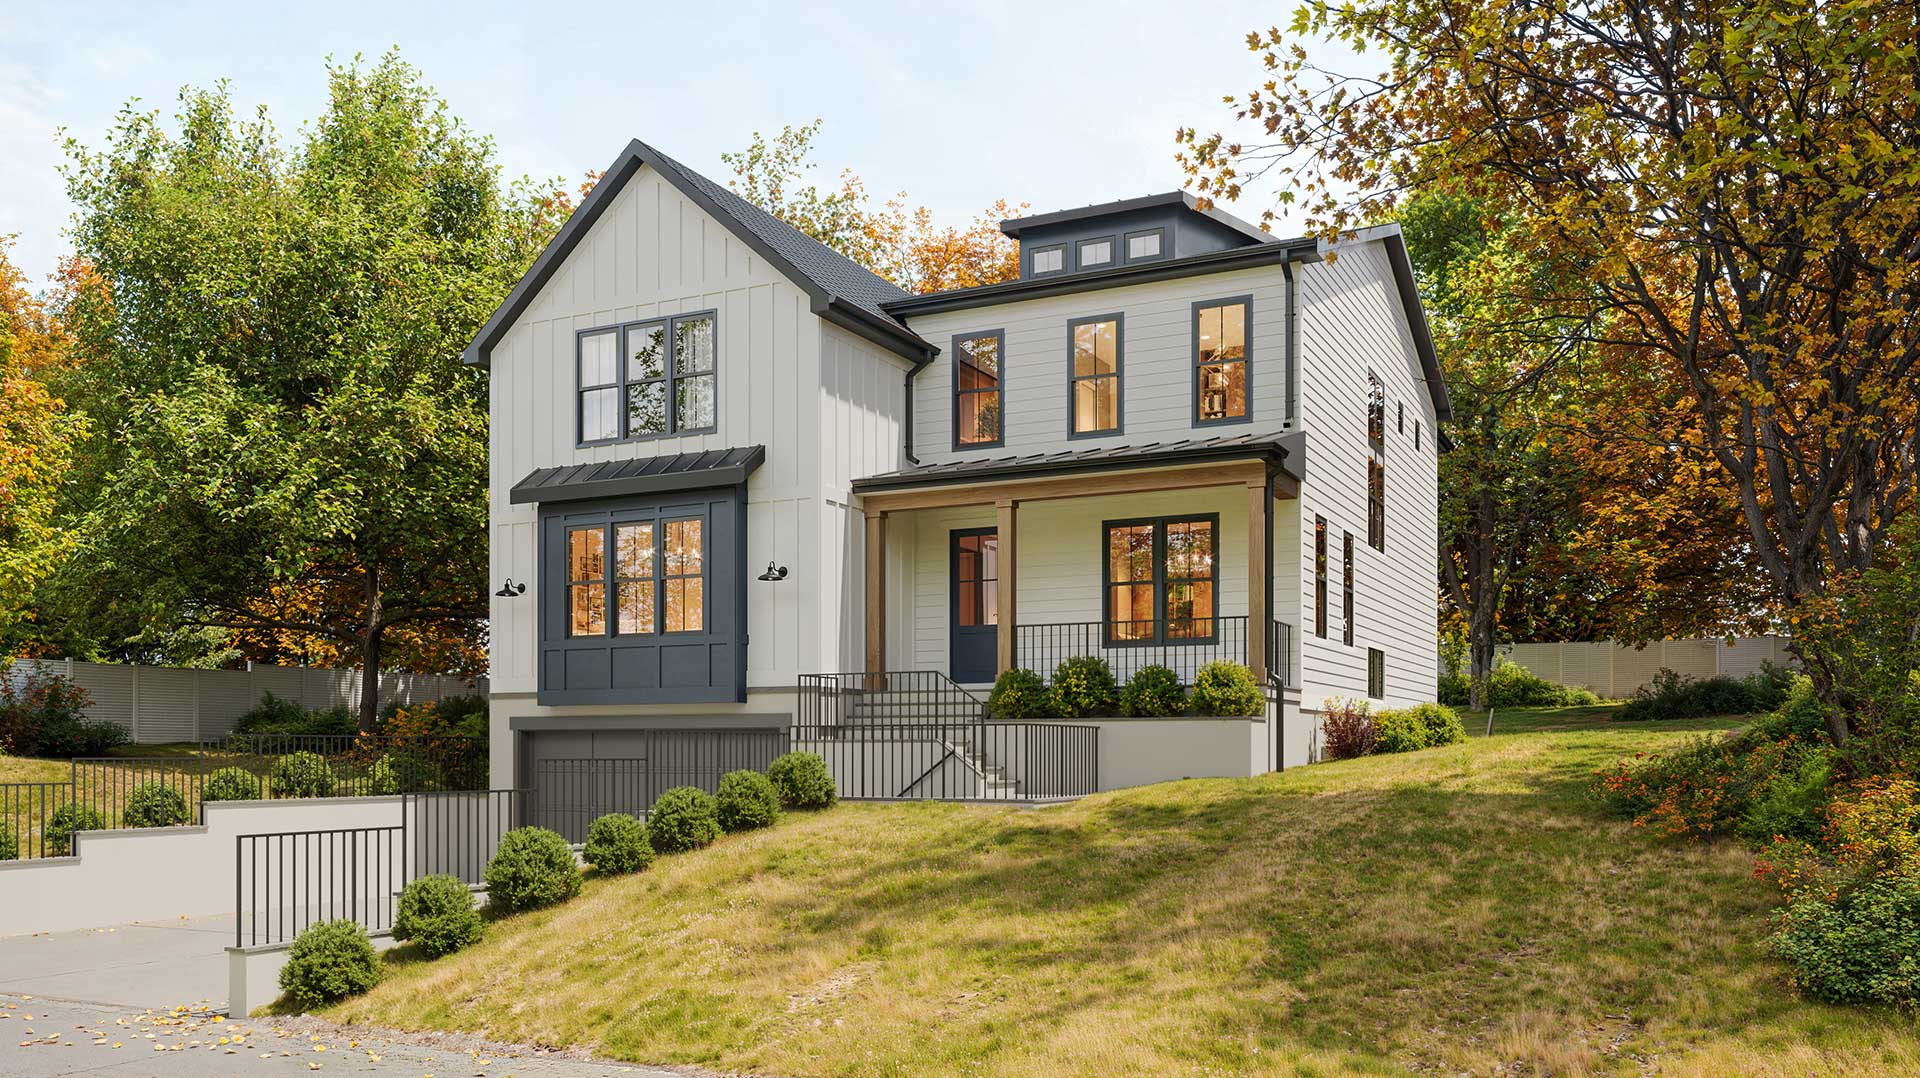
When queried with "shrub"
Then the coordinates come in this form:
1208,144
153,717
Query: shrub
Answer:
231,784
329,961
436,913
403,772
802,781
1227,688
684,818
1861,947
1084,686
1152,692
1018,695
154,804
1800,714
302,774
1414,728
44,714
1708,785
533,867
1672,696
1792,802
67,819
618,843
273,715
9,842
455,716
746,800
1347,726
1455,690
1513,685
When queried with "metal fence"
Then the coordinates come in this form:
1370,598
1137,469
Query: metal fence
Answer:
457,833
1127,646
285,881
575,791
28,810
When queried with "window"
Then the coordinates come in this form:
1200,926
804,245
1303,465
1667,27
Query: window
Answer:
1376,673
1416,435
1047,260
977,572
1220,331
1346,588
1145,246
1094,376
586,582
658,584
1376,504
1376,412
1161,577
631,387
976,389
1400,417
1096,253
1320,577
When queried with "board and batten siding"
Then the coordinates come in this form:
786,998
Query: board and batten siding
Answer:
1157,363
1351,322
863,410
654,253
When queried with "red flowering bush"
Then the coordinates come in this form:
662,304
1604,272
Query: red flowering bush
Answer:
1710,785
1347,726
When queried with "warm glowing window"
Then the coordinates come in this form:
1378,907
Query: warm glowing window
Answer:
977,573
1220,350
977,388
1095,375
658,581
635,587
586,582
1320,577
1161,580
683,580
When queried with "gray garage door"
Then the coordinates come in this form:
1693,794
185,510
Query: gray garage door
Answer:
579,776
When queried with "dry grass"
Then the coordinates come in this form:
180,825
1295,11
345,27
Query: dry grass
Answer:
28,769
1458,910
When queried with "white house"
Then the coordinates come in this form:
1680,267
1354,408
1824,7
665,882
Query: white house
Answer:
727,461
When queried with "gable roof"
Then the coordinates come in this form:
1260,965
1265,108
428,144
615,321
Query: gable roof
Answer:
839,289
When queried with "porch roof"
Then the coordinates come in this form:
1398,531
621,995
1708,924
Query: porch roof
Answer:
1284,452
640,475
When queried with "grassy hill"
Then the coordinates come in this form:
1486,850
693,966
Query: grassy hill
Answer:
1458,910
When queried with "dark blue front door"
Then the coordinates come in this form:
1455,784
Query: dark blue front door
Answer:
974,619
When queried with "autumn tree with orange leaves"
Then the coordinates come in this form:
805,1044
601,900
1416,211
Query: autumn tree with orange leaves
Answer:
37,433
1741,179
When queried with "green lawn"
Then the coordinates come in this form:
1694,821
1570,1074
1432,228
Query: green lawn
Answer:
1459,910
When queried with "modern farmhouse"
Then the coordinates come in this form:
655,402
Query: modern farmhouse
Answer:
747,495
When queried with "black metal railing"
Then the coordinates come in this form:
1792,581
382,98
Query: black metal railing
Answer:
456,832
362,764
26,811
1128,646
1280,654
891,698
285,881
575,791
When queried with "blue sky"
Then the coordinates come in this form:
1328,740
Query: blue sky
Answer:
955,103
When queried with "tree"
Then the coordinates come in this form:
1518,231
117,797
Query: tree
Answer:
291,448
37,433
899,243
1742,177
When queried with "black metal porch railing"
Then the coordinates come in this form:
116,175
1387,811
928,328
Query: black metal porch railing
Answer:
1280,654
1128,646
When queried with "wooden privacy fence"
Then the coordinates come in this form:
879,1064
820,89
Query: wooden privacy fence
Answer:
1616,670
157,704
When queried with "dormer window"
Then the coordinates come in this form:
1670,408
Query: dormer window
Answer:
1096,253
1047,260
1146,246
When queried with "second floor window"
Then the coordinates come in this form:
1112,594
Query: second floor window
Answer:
647,379
977,392
1095,253
1220,353
1346,588
1376,504
1320,577
1376,413
1094,376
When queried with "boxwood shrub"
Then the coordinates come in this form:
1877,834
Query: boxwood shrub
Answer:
684,818
154,804
747,800
437,914
1153,692
618,843
9,842
302,774
1414,728
65,820
1227,688
1019,694
231,784
1083,686
329,961
802,781
533,867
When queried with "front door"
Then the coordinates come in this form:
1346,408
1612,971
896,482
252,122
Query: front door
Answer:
975,614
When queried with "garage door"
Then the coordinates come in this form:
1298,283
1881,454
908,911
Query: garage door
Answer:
579,776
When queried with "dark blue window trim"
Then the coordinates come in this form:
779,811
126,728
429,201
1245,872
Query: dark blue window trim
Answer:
1119,376
1246,338
621,330
1000,392
1159,525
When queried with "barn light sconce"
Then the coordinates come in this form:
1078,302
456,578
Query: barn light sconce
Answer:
774,573
510,589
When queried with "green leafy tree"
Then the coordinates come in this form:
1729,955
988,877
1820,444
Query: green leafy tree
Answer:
289,441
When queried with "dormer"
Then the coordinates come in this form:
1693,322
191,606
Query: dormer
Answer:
1154,228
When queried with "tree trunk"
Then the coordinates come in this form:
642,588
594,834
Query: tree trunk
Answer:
370,656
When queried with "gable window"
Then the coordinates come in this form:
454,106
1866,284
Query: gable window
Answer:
976,389
1144,246
1220,331
1095,253
1376,504
1160,579
1346,587
1047,260
1093,384
647,379
1376,673
1320,577
658,583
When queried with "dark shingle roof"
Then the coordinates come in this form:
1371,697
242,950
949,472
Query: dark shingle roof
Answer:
1286,451
640,475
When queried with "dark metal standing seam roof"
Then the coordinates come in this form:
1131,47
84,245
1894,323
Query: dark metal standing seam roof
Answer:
640,475
1284,451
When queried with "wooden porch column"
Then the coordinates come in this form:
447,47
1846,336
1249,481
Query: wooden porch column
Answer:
1006,593
1257,523
876,592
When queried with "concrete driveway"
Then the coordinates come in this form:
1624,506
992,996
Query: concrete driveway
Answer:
147,999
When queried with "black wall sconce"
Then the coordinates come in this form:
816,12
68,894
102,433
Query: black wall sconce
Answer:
510,589
774,573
